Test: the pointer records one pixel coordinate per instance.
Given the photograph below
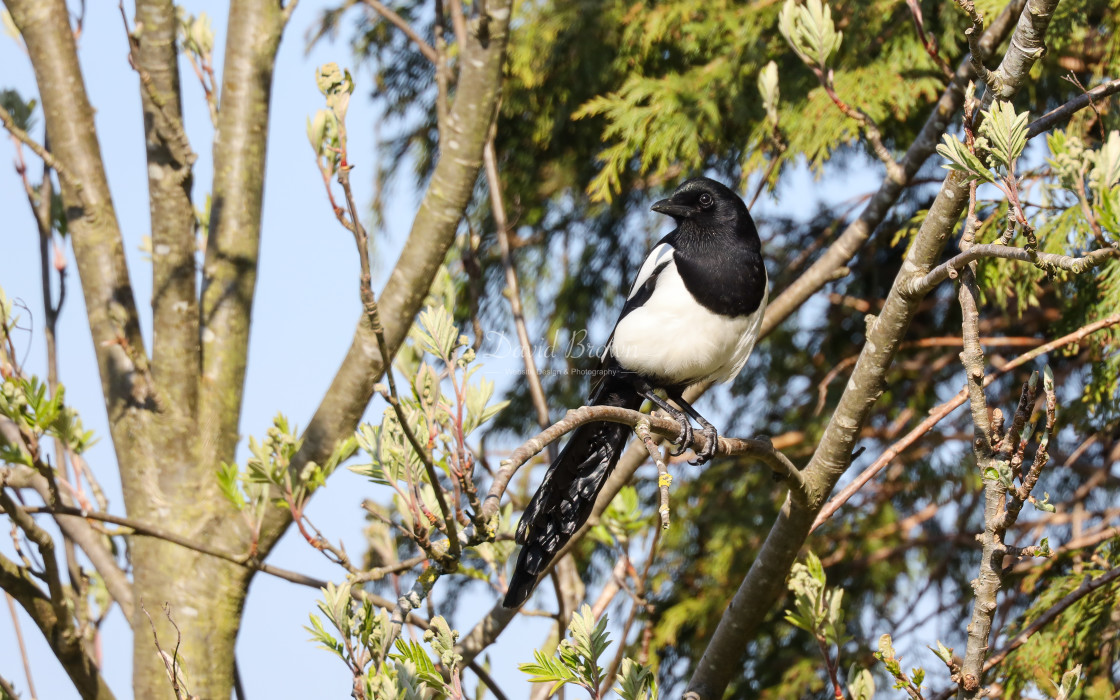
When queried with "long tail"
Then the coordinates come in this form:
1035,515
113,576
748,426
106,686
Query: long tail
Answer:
566,496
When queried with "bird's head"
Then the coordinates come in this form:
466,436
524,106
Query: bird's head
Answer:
704,203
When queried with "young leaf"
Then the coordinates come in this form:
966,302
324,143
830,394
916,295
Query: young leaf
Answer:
768,88
1006,133
548,670
636,682
961,159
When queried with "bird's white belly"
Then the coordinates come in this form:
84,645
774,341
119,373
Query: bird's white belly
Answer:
674,338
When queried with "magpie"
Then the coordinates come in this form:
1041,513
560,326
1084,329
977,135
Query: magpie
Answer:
692,315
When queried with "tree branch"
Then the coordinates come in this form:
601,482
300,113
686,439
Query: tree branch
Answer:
94,230
230,269
1087,586
400,23
37,148
175,348
761,450
59,632
1060,114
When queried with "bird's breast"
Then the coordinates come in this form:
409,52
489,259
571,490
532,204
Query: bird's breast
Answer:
673,339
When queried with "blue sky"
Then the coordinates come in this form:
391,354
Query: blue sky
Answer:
306,308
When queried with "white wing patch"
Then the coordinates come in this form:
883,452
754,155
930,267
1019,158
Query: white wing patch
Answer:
660,254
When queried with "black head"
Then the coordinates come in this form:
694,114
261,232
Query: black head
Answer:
701,203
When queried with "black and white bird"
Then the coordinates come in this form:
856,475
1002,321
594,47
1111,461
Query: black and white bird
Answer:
693,315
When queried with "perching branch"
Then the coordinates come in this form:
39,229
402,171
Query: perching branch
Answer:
762,450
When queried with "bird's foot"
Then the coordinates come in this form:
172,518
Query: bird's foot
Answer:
711,444
684,438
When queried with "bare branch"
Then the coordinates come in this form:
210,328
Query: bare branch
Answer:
22,649
400,23
664,427
513,289
1047,261
38,149
1060,114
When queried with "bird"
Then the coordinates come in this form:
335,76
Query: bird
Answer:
692,315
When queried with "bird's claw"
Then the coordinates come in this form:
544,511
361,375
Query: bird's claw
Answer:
705,455
684,438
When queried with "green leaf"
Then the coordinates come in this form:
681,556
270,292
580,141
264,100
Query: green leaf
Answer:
636,682
1106,166
861,684
943,652
442,640
1006,133
1069,682
438,334
324,639
228,482
810,31
547,669
962,160
768,89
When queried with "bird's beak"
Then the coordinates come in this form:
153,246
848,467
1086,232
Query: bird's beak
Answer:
667,207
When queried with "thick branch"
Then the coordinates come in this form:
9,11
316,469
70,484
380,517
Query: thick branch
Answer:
64,640
94,230
175,350
230,268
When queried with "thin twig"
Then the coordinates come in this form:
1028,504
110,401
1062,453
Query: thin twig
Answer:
513,289
401,24
373,315
23,137
22,648
945,409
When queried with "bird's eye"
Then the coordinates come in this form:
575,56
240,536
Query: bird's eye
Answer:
706,200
